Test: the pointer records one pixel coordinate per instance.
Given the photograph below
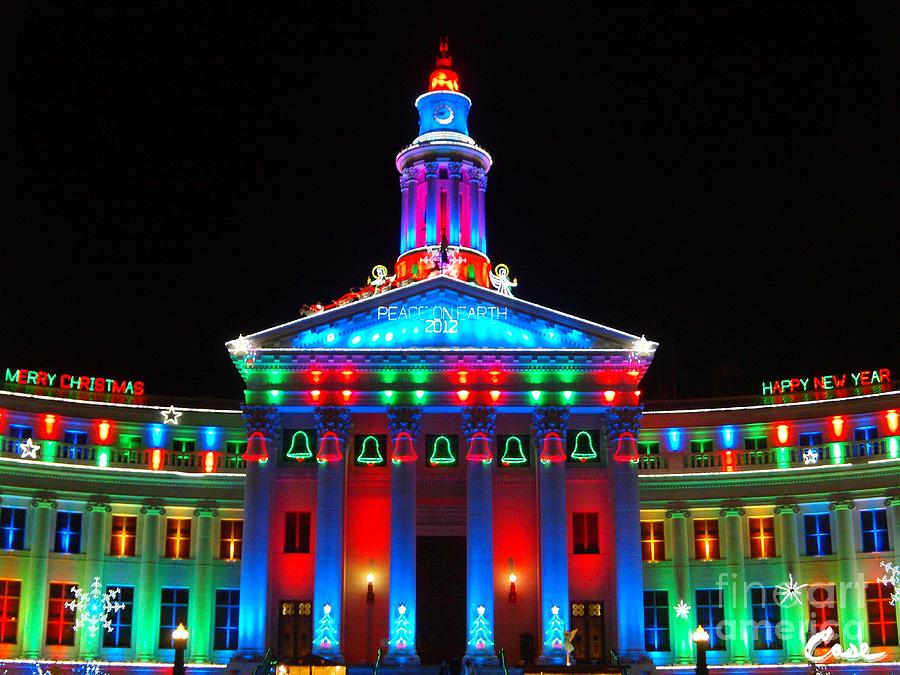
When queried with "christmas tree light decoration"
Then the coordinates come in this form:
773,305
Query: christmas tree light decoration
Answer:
256,448
326,633
404,450
626,448
370,452
584,447
94,608
810,456
240,346
501,282
441,452
480,636
892,578
329,448
788,593
170,415
402,635
300,447
29,449
513,452
552,450
555,630
479,449
893,420
682,610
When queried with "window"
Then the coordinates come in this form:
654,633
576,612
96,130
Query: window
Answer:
822,608
12,528
121,620
226,628
653,541
701,447
766,617
866,441
182,446
701,453
68,532
710,614
296,532
124,529
810,439
756,443
585,533
647,448
234,454
173,610
129,441
17,434
656,621
60,620
10,592
818,534
231,539
873,524
178,537
762,537
706,539
882,616
74,445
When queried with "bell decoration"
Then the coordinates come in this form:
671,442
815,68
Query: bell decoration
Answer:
404,451
513,452
300,449
329,448
256,448
479,449
441,452
552,450
584,447
626,448
370,453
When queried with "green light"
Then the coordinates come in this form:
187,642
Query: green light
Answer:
513,452
535,394
103,457
567,395
837,453
388,394
274,394
783,456
420,394
441,452
892,447
419,376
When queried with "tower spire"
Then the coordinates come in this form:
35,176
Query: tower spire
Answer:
443,76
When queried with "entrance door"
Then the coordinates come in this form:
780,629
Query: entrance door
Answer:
440,598
294,630
589,643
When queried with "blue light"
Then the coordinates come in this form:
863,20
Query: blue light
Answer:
674,439
211,434
156,433
330,337
728,437
356,340
389,336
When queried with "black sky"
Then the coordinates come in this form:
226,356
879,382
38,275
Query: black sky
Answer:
721,177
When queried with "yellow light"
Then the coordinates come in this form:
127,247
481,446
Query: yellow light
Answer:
180,633
700,635
370,578
513,578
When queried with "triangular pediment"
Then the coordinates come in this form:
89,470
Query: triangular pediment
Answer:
441,313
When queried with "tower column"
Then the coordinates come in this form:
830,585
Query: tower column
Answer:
851,589
682,569
402,594
455,174
202,590
34,586
431,203
146,610
737,613
95,544
475,202
793,613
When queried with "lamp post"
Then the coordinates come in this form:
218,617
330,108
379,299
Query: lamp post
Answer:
701,639
370,611
180,637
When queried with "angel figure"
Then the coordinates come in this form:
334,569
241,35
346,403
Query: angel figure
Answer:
501,282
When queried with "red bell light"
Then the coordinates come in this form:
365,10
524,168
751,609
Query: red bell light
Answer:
256,448
103,430
552,450
837,425
626,448
329,448
49,423
782,431
209,461
404,450
479,449
893,420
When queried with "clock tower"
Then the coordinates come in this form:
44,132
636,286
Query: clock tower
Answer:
443,176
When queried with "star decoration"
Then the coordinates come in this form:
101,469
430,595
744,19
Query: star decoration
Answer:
788,594
643,346
892,578
682,611
93,608
240,346
810,456
170,416
29,449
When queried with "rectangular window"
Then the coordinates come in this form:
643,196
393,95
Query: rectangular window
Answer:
818,534
656,621
296,532
766,617
234,453
173,610
822,608
12,528
60,620
648,448
701,447
10,592
122,540
882,616
762,537
710,614
226,629
121,620
873,524
129,441
182,446
178,537
653,540
231,537
866,441
706,539
75,445
756,443
68,532
810,439
585,533
17,434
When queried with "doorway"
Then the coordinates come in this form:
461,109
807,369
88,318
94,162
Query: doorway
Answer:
589,642
440,598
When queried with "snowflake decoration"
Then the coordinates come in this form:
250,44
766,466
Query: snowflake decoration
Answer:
642,346
29,449
682,610
892,578
170,415
810,456
240,346
788,594
93,608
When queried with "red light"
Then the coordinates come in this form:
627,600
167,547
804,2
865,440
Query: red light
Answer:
495,395
103,430
443,79
783,432
155,459
553,449
463,376
315,393
637,393
495,376
49,423
256,448
893,420
329,448
479,449
346,394
837,425
609,396
316,376
633,373
729,460
209,461
463,395
626,449
404,450
347,374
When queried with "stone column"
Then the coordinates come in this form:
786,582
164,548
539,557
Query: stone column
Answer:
97,516
35,584
455,173
202,592
737,610
146,610
328,587
553,546
475,176
431,204
850,589
482,236
402,588
793,613
404,212
681,568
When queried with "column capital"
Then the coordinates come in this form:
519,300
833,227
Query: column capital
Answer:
404,181
476,175
892,500
206,511
404,419
623,420
454,169
478,419
431,169
262,419
153,509
547,419
98,505
786,507
44,502
678,512
842,505
731,509
336,419
411,174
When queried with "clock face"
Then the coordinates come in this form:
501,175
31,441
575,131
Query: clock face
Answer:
443,113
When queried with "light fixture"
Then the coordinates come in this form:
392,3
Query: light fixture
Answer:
512,588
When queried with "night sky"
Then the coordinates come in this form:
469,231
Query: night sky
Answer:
718,177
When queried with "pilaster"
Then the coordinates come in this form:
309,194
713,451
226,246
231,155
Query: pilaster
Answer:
737,610
35,585
146,610
202,594
793,613
681,568
97,517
